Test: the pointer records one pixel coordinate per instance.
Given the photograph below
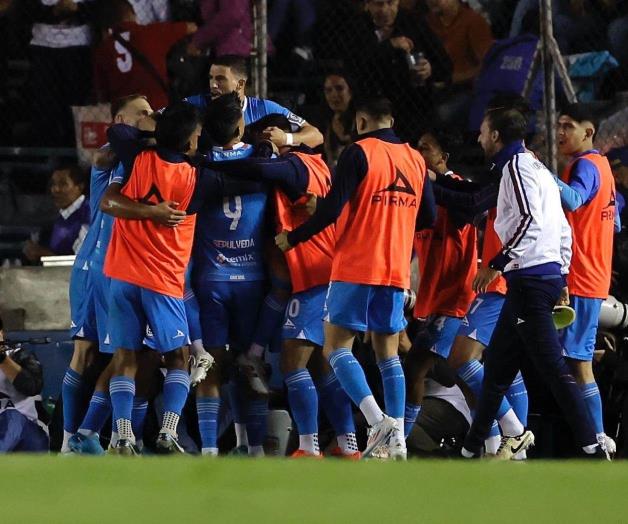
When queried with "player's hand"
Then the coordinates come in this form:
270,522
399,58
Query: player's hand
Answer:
403,43
563,300
485,276
423,69
275,135
281,240
309,204
166,214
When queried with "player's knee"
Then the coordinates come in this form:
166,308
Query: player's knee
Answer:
175,359
84,353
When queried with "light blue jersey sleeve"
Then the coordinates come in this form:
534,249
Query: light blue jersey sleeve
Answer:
257,109
583,185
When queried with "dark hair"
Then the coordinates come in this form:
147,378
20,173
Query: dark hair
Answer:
120,103
507,100
342,74
579,113
76,173
253,132
114,12
509,123
377,107
448,141
237,64
176,125
222,118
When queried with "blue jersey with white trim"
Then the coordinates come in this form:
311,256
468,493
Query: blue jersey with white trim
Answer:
116,175
99,180
228,241
254,109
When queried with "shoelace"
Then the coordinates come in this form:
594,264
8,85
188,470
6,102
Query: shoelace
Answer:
502,445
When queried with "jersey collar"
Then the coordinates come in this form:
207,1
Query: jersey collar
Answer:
506,153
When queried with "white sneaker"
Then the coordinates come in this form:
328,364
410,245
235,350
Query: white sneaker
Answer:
379,434
397,447
512,446
199,368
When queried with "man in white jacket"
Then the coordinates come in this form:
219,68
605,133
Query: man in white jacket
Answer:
534,259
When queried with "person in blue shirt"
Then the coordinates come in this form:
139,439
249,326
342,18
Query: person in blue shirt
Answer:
89,296
229,73
229,282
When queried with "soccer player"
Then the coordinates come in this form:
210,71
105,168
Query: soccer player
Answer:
587,191
229,280
129,110
229,73
298,175
379,188
534,259
147,261
447,265
87,292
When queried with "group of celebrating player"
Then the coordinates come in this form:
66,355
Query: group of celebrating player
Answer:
179,259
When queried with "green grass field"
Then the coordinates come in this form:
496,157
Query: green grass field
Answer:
184,490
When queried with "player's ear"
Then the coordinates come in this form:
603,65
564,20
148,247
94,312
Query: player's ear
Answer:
392,121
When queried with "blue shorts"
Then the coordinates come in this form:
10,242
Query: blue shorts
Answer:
479,322
82,311
304,316
133,308
578,339
100,288
438,334
361,307
229,311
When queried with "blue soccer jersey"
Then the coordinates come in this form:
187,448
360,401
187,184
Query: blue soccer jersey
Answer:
229,237
254,109
105,225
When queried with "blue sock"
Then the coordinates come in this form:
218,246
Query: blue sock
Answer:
98,412
394,386
336,404
176,389
593,401
138,416
303,401
269,320
72,392
121,391
207,409
411,413
256,414
350,375
472,374
517,396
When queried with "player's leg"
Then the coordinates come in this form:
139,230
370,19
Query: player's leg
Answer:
433,341
148,364
214,321
578,342
501,363
127,326
83,331
249,402
302,396
474,335
167,320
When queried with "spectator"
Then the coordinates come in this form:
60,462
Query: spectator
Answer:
21,382
67,187
379,55
226,29
60,72
339,115
132,58
467,37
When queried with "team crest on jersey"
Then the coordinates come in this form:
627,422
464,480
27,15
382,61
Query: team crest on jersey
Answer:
401,184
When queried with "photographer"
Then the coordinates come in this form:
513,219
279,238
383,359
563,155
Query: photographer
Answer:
21,382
